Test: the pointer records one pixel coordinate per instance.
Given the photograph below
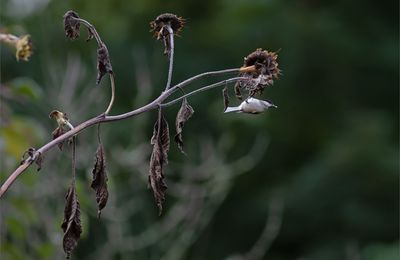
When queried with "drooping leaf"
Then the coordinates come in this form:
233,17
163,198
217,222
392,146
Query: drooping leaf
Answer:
238,93
103,62
226,97
56,133
90,35
159,158
38,161
30,155
184,113
99,182
72,223
71,26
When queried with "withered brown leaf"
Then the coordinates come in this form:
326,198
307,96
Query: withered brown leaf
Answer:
38,161
226,97
30,155
184,113
72,223
103,62
159,158
71,26
99,182
56,133
238,93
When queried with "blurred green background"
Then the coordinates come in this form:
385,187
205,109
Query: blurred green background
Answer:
317,178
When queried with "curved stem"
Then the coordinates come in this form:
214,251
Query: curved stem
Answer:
112,94
105,118
170,56
91,28
221,83
73,159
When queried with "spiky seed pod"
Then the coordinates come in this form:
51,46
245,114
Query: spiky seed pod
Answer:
175,22
261,68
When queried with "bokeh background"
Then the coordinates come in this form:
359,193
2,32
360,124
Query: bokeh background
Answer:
317,178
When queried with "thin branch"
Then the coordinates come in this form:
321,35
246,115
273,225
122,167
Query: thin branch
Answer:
103,119
221,83
170,56
205,74
112,93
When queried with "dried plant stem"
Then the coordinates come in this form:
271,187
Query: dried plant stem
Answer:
171,56
112,94
91,28
221,83
105,118
8,38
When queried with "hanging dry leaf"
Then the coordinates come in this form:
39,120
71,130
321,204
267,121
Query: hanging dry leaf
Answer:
56,133
38,161
99,182
159,158
184,113
103,62
72,223
226,97
238,93
71,26
31,154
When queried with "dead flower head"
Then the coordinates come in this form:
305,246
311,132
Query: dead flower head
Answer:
160,27
71,25
24,48
261,68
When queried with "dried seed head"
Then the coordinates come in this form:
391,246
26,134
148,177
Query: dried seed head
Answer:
261,68
162,26
71,26
158,25
24,48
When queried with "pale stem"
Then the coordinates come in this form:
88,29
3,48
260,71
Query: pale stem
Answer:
8,38
171,56
221,83
112,94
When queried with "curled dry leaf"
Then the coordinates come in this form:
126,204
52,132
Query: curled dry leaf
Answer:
226,97
238,93
159,158
90,35
71,25
72,223
38,161
30,155
184,113
56,133
99,182
103,62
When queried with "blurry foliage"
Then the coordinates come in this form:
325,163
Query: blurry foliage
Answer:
332,151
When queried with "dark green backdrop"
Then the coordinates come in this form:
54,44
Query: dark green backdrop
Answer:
324,165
